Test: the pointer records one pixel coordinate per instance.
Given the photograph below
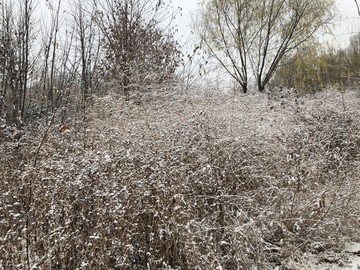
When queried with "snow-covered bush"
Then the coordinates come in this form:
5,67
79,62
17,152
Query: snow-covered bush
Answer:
215,182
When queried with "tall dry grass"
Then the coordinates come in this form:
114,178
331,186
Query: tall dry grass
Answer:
179,182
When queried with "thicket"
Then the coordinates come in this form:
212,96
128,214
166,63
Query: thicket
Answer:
178,182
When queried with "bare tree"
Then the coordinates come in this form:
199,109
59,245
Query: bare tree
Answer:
88,36
138,41
249,38
64,44
50,54
16,41
8,56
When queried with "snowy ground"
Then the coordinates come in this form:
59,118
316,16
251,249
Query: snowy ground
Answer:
348,259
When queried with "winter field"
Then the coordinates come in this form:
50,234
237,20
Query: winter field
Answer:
245,181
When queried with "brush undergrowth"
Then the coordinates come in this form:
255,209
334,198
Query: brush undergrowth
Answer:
208,182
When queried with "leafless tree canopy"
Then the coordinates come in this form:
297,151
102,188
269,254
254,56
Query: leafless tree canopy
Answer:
138,49
249,38
62,59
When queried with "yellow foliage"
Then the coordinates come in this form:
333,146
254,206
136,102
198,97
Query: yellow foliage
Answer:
315,67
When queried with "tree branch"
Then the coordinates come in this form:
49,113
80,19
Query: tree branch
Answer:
357,6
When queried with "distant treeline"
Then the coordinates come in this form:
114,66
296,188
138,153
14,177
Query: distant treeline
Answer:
315,67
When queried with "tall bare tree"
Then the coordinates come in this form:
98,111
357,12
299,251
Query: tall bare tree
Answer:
88,37
16,42
250,37
7,59
50,53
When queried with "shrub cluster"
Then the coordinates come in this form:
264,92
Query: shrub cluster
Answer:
208,182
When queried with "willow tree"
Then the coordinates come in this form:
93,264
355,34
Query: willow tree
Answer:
250,37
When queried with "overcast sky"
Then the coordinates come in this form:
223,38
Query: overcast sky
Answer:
347,25
350,22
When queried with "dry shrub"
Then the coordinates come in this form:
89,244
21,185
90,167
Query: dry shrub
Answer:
215,182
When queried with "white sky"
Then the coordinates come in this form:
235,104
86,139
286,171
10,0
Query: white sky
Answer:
348,24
